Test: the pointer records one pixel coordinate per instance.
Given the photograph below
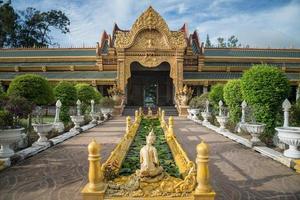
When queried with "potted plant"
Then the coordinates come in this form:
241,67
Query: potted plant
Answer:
222,118
291,137
184,95
14,108
107,105
78,118
42,128
116,94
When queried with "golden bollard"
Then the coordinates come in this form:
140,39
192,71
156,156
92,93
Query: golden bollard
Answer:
203,188
128,124
141,111
95,188
159,112
171,125
162,119
136,116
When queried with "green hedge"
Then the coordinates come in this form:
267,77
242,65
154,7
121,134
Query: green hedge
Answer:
86,93
233,98
67,94
32,87
216,94
264,88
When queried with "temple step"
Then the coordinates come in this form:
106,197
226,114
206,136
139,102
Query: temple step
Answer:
169,110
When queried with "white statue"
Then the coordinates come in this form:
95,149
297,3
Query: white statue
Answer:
149,159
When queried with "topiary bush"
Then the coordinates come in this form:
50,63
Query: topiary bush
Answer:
215,95
85,94
107,102
265,87
67,94
32,87
233,98
199,101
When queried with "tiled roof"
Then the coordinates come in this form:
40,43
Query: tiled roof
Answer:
47,52
252,52
240,64
46,64
64,75
226,75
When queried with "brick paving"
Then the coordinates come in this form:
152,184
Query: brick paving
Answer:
60,172
237,173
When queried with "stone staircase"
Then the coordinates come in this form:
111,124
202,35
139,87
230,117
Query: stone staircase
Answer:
169,110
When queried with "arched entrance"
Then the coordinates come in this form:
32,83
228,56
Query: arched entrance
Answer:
150,86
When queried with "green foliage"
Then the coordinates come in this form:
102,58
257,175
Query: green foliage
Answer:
31,27
6,119
32,87
208,42
216,94
265,87
294,114
67,94
199,101
85,94
221,42
132,161
107,102
8,25
233,98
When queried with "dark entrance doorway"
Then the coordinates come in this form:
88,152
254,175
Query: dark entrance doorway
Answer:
150,86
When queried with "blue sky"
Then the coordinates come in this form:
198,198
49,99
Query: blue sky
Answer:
259,23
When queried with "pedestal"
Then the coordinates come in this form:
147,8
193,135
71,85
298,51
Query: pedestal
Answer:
118,110
92,195
182,110
205,196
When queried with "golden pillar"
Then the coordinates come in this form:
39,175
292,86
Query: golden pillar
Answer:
141,111
95,188
136,116
171,124
203,189
128,124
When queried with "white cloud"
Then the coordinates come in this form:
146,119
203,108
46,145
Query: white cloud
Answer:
268,27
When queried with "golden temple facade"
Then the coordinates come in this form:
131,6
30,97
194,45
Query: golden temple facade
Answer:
149,60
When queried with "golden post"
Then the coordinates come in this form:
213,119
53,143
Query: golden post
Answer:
95,188
128,124
171,124
141,111
163,119
203,188
136,116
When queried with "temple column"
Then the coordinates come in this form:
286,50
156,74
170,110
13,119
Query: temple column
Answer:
121,71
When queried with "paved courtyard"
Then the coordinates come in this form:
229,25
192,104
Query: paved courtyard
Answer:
236,171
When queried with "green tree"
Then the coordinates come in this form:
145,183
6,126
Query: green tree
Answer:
264,88
85,94
233,98
221,42
216,94
31,27
208,42
232,41
32,87
8,25
67,94
36,26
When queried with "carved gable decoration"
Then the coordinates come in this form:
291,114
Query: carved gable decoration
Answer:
150,20
150,39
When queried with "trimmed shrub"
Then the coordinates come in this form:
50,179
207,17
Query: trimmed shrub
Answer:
86,93
265,87
32,87
216,94
199,101
67,94
107,102
233,98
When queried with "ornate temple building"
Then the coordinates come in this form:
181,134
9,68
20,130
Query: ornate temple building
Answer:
149,62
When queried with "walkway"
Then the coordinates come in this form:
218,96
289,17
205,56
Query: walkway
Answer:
60,172
238,173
